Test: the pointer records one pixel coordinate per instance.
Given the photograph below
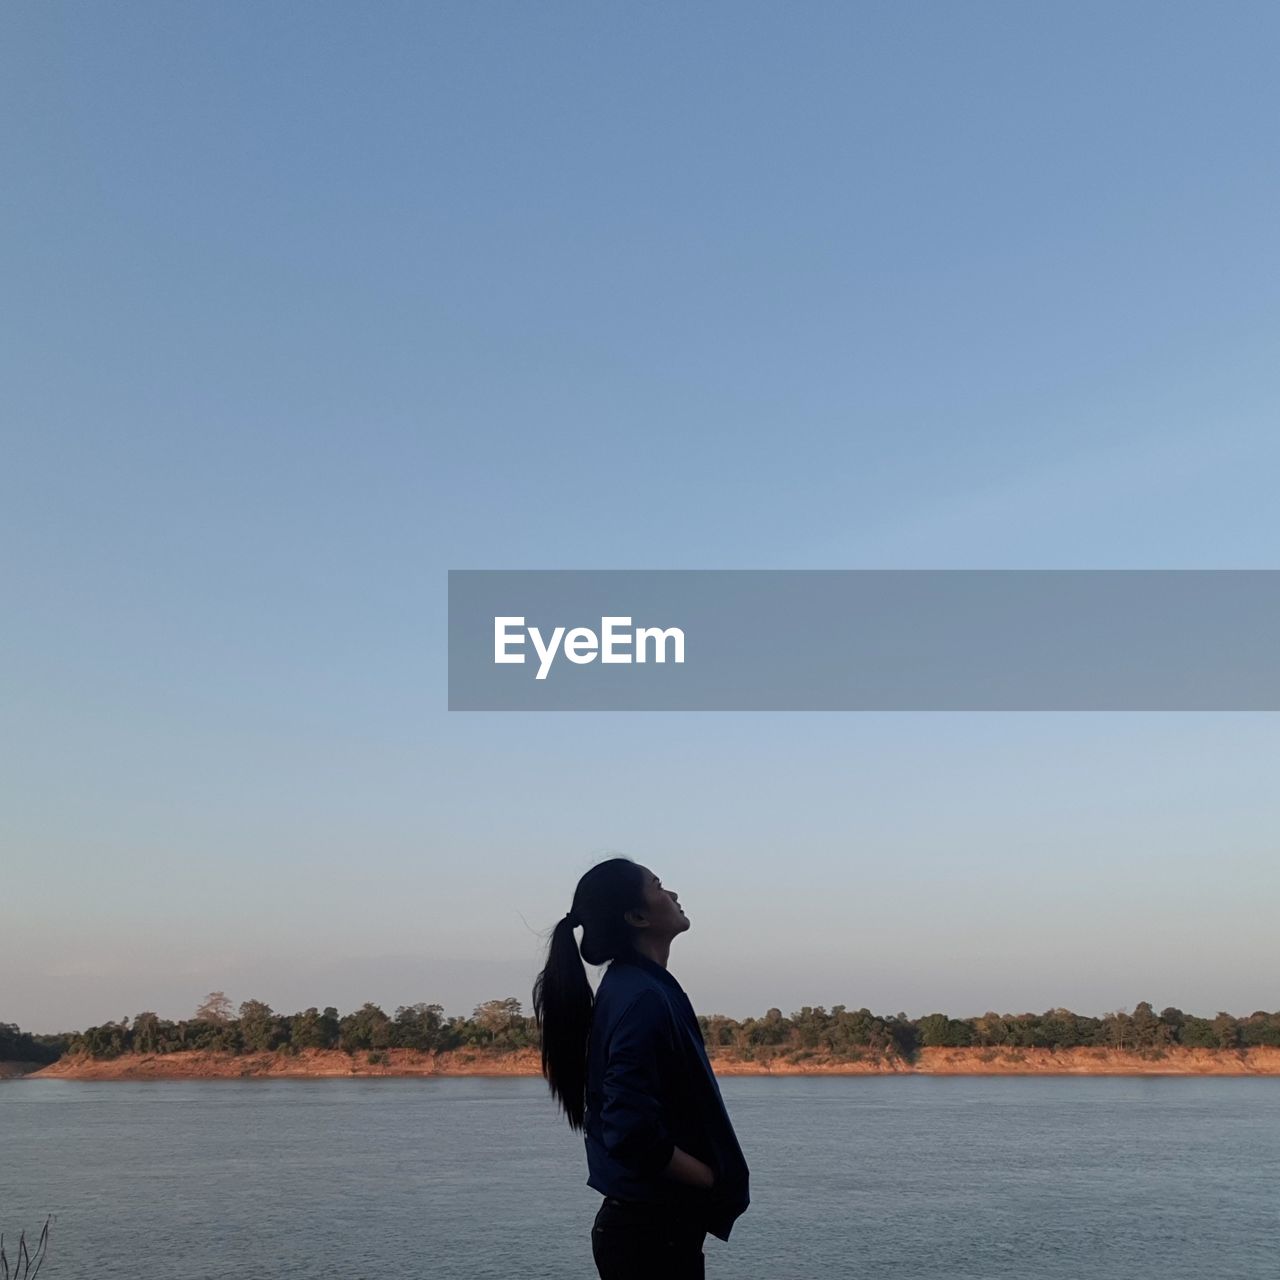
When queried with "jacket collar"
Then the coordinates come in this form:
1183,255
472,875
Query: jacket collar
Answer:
656,970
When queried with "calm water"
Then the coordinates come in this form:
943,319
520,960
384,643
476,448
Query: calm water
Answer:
470,1178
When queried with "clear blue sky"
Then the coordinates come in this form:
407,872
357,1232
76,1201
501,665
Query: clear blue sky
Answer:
306,305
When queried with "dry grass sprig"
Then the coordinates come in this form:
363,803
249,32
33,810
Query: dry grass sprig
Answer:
26,1265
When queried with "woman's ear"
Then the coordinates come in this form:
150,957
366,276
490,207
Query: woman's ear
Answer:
636,919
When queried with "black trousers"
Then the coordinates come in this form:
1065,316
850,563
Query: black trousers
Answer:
634,1241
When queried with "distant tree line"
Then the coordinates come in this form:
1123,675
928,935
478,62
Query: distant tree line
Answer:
22,1046
1142,1031
500,1026
496,1025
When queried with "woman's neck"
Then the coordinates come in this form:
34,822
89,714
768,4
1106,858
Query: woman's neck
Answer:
654,948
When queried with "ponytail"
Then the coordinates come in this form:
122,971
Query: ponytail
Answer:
562,999
562,1003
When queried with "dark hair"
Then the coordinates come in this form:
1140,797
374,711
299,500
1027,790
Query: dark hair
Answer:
562,1000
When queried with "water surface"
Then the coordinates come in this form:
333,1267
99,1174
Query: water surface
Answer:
468,1178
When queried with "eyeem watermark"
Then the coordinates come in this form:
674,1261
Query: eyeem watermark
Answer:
614,643
864,640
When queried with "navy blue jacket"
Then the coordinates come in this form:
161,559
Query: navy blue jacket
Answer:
650,1088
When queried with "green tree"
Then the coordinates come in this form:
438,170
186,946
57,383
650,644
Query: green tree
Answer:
367,1028
1117,1030
1146,1027
147,1034
260,1029
1226,1031
312,1029
936,1030
1197,1033
499,1022
991,1029
417,1026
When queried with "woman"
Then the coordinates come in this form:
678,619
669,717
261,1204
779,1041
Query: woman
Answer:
630,1071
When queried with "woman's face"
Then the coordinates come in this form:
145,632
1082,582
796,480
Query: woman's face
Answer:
662,912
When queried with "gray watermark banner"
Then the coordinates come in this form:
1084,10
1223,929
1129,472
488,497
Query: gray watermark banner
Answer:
864,640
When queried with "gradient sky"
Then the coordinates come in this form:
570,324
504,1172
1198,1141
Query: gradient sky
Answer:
306,305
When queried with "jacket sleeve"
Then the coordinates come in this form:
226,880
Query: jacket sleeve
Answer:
635,1126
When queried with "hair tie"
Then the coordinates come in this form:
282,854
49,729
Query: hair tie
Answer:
572,919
